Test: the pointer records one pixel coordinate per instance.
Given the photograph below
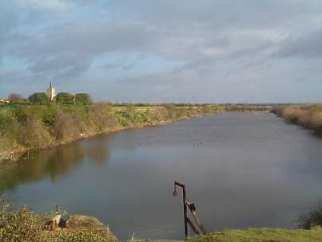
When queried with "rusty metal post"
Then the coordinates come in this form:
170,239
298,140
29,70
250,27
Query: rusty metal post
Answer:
193,211
185,216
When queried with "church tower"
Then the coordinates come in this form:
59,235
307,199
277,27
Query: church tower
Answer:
51,92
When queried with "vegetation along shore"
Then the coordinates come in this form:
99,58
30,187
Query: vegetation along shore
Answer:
308,116
46,119
36,126
25,225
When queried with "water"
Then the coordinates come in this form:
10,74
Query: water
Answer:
241,169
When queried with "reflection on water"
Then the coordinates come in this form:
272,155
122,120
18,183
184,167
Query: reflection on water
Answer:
97,150
52,163
242,170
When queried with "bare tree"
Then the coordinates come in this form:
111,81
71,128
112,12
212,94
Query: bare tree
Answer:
14,97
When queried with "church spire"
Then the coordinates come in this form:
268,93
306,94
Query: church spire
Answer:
51,92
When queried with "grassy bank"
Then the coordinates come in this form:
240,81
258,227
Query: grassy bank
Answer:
307,116
25,225
262,235
27,127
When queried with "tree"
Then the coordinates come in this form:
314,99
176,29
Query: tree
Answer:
39,98
65,98
83,99
14,97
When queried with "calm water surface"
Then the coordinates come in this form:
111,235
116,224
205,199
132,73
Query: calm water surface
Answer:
241,169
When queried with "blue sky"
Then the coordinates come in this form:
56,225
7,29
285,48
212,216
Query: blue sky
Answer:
164,50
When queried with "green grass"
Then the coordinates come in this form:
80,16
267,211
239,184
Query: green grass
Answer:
262,235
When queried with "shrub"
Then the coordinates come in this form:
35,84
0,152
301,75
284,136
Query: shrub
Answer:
312,219
24,225
306,116
14,97
66,126
83,236
39,98
20,225
65,98
5,121
49,115
291,114
34,134
20,114
102,117
316,120
171,109
83,99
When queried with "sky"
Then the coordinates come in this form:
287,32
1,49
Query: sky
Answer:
164,50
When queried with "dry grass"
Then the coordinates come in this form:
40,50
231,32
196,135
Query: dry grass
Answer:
24,225
262,235
306,116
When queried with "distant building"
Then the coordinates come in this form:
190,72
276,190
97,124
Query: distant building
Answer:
4,101
51,92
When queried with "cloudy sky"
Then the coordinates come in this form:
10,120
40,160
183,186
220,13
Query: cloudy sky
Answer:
164,50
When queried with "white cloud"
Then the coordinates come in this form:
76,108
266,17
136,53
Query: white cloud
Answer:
226,46
54,5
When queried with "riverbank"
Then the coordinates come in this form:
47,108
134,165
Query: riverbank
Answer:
262,235
25,225
30,127
308,116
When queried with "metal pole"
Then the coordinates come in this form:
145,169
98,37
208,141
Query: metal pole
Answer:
199,228
184,206
192,209
185,212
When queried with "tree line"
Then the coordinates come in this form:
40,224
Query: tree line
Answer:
42,98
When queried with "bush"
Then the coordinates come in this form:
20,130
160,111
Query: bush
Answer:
20,225
39,98
65,98
83,99
5,121
101,116
34,134
24,225
20,114
83,236
49,115
316,121
67,126
292,114
14,97
171,109
312,219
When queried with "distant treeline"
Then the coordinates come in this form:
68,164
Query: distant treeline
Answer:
43,99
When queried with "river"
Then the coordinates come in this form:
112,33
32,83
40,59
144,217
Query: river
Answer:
241,170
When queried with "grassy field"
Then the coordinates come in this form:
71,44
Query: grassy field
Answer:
262,235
